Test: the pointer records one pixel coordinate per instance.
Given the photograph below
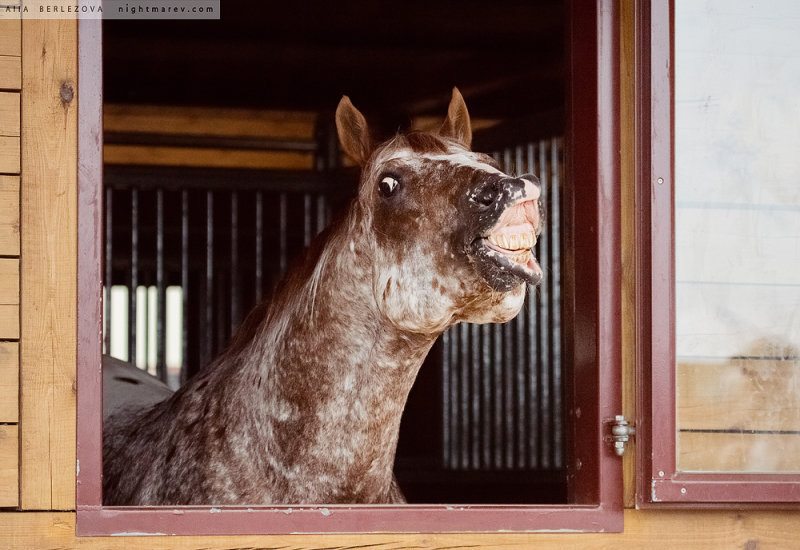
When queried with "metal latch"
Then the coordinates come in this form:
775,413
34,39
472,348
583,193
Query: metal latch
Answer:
621,433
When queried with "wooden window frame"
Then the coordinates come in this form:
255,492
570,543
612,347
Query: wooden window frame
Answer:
591,309
659,482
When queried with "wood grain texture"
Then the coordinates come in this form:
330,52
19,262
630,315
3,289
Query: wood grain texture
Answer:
9,322
9,281
9,382
9,467
664,530
9,114
10,36
628,236
9,155
48,265
739,452
208,121
9,215
10,72
222,158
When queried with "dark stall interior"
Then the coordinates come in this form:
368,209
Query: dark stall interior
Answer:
485,421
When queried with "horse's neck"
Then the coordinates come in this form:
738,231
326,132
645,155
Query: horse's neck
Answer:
337,375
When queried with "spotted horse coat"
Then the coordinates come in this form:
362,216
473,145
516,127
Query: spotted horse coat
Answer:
305,404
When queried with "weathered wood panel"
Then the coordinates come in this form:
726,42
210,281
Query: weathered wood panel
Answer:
743,394
223,158
739,452
208,121
9,114
665,530
9,215
48,266
10,36
9,155
9,382
9,281
10,72
9,468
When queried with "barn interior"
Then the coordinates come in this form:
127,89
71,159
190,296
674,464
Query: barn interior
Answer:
221,163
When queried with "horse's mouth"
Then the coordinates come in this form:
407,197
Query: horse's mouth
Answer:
504,255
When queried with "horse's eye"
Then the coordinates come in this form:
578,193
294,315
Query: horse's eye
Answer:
388,185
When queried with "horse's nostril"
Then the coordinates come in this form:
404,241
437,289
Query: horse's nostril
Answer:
488,195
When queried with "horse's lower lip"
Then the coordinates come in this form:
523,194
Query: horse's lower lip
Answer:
529,271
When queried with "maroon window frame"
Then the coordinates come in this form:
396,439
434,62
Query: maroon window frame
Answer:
659,481
592,311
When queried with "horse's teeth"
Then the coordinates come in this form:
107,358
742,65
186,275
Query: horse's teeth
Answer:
514,242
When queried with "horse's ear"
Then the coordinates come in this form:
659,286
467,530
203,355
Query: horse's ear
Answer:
457,124
353,132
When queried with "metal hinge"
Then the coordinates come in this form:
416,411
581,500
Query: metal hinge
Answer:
621,433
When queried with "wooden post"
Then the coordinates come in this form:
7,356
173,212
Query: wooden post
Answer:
48,264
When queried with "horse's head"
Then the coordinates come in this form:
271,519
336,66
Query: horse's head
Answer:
448,233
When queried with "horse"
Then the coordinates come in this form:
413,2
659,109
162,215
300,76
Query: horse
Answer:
304,405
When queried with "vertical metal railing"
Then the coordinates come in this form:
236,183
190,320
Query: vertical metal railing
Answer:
501,384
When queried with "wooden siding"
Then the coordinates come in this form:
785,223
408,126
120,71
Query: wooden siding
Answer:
48,265
10,83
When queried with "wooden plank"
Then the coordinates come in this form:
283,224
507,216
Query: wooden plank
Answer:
9,114
9,215
628,236
10,72
182,156
9,382
9,322
48,267
9,466
10,36
743,394
9,281
663,529
739,452
9,155
209,121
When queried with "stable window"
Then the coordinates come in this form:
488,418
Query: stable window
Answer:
524,410
720,228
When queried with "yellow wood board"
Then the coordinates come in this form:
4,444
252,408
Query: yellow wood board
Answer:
740,394
739,452
10,36
664,530
163,119
9,322
48,266
10,74
9,215
9,468
9,382
9,155
9,114
9,281
221,158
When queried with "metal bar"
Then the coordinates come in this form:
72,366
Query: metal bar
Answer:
453,400
209,142
474,396
321,209
555,301
184,285
464,394
497,385
446,375
259,245
234,267
208,344
283,215
134,276
543,339
486,398
533,364
109,269
161,299
508,391
306,219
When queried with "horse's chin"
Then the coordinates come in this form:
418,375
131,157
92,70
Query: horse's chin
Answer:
503,269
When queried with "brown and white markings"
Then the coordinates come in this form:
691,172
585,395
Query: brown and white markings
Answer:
305,404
